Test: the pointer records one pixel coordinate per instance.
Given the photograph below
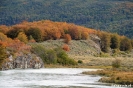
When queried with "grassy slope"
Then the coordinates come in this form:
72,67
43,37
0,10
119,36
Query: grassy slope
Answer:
77,47
109,15
85,50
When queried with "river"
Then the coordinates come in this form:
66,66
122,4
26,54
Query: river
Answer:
50,78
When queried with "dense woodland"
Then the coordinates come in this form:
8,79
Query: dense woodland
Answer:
22,37
110,15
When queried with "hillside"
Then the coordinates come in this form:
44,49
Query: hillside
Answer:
109,15
77,47
39,31
60,43
87,51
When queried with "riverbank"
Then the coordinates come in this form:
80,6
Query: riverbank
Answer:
122,76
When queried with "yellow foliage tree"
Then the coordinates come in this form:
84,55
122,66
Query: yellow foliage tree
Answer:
22,37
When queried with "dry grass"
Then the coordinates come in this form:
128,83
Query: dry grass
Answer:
103,61
114,76
86,50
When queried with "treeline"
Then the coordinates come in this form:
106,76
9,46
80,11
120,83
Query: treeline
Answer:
113,43
45,30
110,15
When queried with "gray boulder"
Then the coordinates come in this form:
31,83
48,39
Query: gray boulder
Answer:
23,62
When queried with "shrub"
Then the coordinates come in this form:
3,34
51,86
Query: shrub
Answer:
40,51
52,56
115,52
102,54
80,61
116,63
65,47
62,58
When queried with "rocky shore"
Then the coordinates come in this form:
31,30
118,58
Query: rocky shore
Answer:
23,62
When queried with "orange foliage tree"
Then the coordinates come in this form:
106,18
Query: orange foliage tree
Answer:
3,54
19,46
65,47
84,35
67,38
74,32
4,29
48,30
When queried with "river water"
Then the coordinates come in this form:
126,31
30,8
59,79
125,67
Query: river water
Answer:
50,78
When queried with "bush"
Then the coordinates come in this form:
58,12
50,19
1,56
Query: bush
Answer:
65,47
80,61
52,56
102,54
116,63
62,58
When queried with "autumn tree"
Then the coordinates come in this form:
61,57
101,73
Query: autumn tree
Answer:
105,42
3,29
3,54
84,35
56,34
3,37
115,41
35,33
74,32
13,33
67,38
125,44
17,46
22,37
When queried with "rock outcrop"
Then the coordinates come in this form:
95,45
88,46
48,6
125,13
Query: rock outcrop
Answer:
23,62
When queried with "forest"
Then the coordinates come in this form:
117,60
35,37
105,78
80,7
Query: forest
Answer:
109,15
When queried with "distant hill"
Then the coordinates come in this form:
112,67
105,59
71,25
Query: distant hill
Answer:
109,15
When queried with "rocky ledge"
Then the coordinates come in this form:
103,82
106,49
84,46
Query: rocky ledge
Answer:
23,62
